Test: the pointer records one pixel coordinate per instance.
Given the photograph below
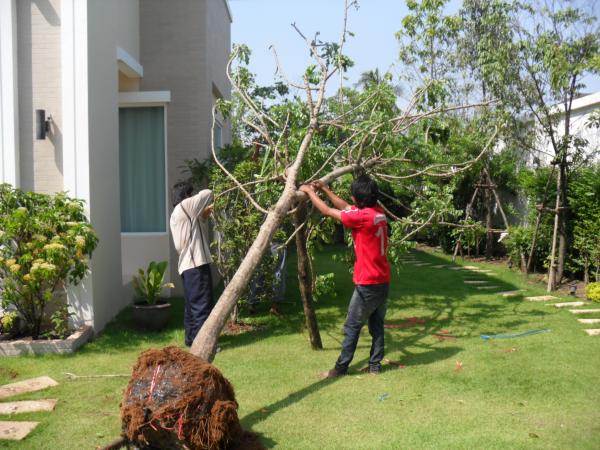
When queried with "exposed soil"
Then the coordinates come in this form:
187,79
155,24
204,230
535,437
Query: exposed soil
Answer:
232,329
176,400
8,373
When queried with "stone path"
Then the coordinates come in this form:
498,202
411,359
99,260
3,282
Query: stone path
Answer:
567,304
32,385
541,298
481,288
585,311
475,282
589,321
589,331
16,431
27,406
510,293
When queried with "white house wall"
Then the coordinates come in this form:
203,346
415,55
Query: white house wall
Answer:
184,50
9,95
39,68
111,24
582,108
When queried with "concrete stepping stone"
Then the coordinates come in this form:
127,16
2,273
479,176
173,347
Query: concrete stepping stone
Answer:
471,267
567,304
593,331
585,311
457,268
481,288
481,270
589,321
475,282
439,266
541,298
510,293
422,264
16,431
27,406
31,385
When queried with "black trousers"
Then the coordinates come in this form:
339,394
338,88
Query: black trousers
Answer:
199,302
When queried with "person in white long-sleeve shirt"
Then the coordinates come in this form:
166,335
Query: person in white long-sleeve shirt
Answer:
190,230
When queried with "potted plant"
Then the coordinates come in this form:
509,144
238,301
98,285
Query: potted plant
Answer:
150,311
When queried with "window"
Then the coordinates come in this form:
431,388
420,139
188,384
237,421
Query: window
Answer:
142,169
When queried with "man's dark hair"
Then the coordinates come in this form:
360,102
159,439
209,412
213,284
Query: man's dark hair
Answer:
365,191
181,191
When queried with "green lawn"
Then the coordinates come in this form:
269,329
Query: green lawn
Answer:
537,391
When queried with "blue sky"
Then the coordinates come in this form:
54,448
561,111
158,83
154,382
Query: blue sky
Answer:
261,23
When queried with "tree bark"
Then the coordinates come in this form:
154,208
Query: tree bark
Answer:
489,239
563,239
305,279
552,268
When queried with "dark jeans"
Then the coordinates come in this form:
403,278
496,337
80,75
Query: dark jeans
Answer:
197,288
368,304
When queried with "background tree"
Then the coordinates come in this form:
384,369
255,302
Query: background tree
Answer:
537,72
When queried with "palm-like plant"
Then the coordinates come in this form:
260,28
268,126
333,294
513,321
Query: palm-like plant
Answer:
149,284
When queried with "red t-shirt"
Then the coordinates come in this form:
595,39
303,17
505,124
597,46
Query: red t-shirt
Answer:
369,232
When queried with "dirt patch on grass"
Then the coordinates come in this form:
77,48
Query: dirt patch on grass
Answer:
176,400
232,329
8,373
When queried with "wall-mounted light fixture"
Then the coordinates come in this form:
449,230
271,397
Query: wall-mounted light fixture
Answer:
42,125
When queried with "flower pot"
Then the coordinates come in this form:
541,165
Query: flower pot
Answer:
151,317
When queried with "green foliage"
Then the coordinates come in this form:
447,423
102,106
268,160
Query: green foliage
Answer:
148,285
324,286
584,200
518,244
592,292
60,323
45,244
9,322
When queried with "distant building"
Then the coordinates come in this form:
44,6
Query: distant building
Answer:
127,87
581,111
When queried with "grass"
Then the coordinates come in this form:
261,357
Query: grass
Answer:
538,391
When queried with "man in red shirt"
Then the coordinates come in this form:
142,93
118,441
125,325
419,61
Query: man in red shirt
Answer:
371,269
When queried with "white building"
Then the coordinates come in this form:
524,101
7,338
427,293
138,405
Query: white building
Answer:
581,111
128,86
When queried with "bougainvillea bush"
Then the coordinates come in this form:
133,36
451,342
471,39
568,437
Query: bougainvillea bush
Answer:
45,244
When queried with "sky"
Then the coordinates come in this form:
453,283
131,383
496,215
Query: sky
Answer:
262,23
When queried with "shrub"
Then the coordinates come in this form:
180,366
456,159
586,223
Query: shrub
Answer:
45,243
592,291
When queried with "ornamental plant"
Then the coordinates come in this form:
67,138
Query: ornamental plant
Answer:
592,292
45,245
149,284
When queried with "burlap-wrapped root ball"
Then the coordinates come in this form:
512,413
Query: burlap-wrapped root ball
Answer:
176,400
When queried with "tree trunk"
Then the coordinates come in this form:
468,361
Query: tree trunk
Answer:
552,267
489,239
586,274
205,343
538,221
305,279
563,239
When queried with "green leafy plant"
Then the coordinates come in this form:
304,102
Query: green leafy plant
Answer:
149,284
60,323
592,292
324,286
45,245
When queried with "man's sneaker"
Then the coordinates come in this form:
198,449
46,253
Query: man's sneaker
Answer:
332,373
370,370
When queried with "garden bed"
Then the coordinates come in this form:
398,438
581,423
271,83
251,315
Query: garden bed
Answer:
43,346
